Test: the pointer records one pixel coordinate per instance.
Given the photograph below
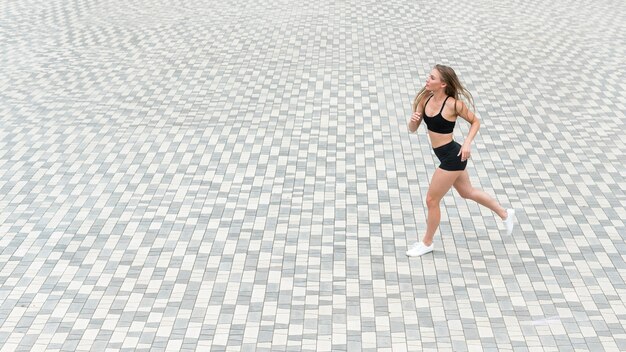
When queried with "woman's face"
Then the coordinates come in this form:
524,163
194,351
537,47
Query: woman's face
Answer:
434,82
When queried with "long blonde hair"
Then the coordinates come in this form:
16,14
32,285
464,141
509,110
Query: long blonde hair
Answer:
454,88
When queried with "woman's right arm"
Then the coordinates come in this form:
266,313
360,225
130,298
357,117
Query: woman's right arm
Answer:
416,118
415,121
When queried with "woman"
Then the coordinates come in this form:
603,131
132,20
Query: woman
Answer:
439,104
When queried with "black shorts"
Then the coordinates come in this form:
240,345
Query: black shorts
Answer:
448,155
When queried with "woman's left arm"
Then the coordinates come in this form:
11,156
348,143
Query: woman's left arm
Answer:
469,116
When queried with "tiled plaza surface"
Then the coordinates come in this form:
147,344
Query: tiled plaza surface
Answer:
237,175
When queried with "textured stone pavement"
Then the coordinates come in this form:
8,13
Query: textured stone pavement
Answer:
237,175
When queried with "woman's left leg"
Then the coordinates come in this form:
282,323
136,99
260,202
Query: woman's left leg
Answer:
467,191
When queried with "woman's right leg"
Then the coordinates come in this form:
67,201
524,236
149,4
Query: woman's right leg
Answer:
440,184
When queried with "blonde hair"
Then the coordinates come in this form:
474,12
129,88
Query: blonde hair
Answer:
454,88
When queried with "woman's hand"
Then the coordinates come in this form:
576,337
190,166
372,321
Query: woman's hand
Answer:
414,122
465,152
416,117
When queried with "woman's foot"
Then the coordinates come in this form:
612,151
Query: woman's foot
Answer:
418,249
509,222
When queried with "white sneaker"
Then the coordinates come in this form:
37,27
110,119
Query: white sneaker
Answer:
418,249
509,221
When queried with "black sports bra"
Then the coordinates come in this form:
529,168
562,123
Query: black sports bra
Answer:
437,123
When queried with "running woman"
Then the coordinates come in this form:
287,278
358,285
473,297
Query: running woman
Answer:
439,105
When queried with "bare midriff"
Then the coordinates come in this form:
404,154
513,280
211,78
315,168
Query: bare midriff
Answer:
439,139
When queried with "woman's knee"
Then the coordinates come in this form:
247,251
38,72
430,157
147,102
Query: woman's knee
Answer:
431,201
467,193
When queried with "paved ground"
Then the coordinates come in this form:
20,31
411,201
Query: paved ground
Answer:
203,175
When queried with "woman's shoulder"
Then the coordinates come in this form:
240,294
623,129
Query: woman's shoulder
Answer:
420,100
452,101
454,104
424,98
